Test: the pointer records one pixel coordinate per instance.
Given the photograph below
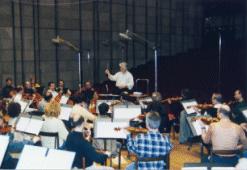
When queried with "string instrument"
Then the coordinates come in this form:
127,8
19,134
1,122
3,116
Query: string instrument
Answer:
93,103
5,128
133,130
172,99
58,97
204,106
206,120
37,98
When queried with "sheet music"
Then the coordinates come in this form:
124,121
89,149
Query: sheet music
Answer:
106,130
198,126
125,114
32,157
65,112
34,126
29,125
22,124
245,113
64,100
188,106
222,168
58,159
195,168
24,105
4,141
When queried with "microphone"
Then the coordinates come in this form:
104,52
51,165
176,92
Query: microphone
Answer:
57,40
125,36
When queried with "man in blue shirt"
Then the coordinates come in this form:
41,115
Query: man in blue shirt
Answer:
150,145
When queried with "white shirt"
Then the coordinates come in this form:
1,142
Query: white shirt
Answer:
123,79
52,124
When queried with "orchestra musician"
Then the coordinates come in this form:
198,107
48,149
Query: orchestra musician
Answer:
7,88
61,87
124,79
87,92
28,89
157,106
224,135
237,115
52,89
150,144
84,150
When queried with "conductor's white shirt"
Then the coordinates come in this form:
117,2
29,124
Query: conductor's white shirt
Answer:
123,79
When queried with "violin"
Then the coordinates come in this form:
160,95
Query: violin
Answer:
204,106
206,120
171,99
133,130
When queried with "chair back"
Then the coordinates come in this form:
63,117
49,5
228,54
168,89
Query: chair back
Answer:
165,158
51,135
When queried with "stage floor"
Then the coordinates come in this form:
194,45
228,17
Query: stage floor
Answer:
179,155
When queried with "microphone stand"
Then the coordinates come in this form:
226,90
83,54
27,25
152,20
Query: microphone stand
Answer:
155,51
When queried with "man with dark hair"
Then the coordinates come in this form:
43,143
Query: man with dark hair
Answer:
160,108
88,92
103,109
14,109
149,145
237,115
7,88
52,89
224,135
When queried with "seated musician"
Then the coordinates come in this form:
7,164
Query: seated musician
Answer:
78,109
47,98
111,145
52,89
61,87
157,106
224,135
150,145
87,92
217,102
7,88
77,143
237,115
124,79
17,140
53,124
28,89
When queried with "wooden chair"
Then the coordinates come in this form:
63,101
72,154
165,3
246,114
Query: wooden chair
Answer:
51,135
165,158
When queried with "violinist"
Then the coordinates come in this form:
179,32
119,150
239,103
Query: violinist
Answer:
52,89
61,87
160,108
150,144
28,89
224,135
217,100
7,88
87,92
237,115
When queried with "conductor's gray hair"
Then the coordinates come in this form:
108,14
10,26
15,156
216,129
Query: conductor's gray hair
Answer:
153,120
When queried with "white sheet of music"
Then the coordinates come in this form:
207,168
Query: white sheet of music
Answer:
195,168
222,168
245,113
24,105
34,126
29,125
188,106
4,141
65,112
58,159
107,130
198,126
125,114
22,124
64,100
32,157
